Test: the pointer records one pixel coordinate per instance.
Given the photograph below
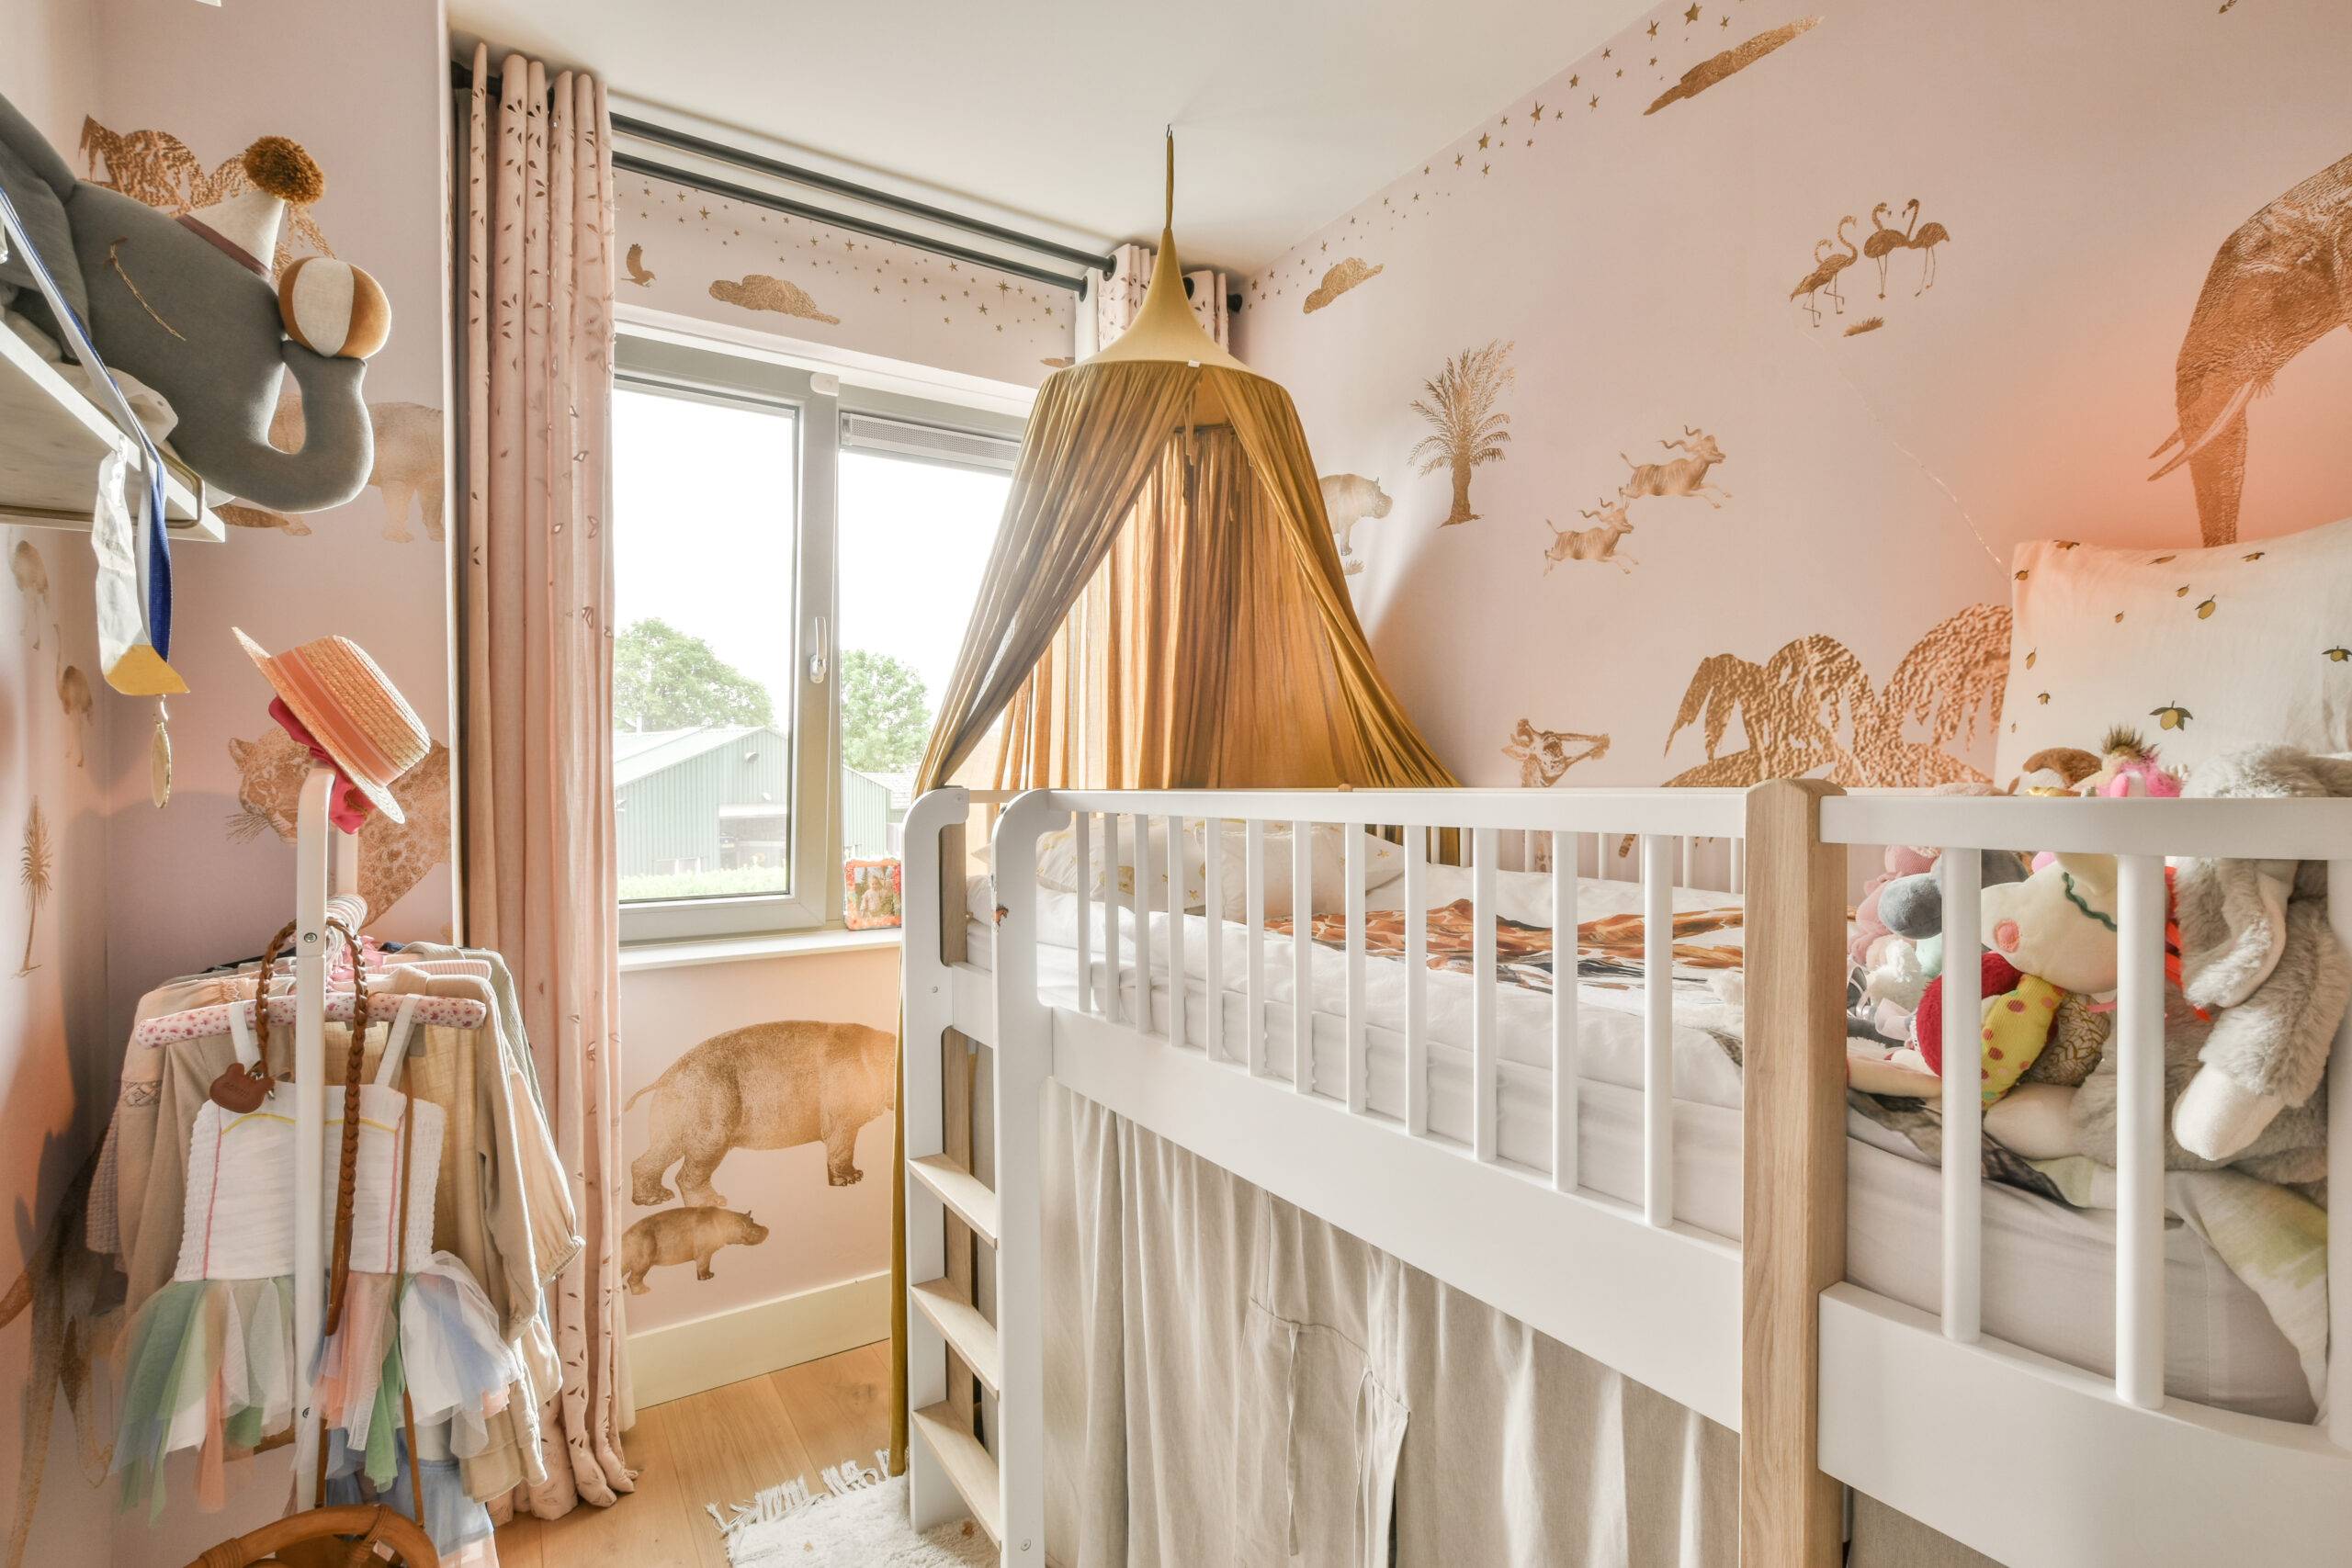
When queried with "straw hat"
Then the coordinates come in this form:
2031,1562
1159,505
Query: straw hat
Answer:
354,714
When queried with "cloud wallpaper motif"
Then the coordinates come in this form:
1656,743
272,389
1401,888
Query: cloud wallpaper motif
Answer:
1890,287
696,254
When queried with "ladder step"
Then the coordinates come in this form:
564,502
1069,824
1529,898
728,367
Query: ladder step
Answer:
970,1197
972,1336
967,1464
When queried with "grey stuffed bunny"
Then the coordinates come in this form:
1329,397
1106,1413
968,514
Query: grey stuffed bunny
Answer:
2257,953
167,300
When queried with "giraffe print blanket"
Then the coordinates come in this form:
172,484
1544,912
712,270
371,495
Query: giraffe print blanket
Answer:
1609,948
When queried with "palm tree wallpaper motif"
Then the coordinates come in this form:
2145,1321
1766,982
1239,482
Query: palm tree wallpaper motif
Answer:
1812,711
1465,431
39,861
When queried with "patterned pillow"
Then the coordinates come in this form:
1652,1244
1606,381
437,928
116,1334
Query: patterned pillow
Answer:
2203,651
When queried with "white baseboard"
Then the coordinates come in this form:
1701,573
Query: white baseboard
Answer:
687,1358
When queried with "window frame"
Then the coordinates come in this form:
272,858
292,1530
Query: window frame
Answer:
711,370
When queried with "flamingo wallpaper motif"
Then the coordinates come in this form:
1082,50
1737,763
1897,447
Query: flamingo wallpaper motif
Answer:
1890,287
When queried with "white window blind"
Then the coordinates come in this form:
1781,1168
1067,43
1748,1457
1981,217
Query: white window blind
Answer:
927,443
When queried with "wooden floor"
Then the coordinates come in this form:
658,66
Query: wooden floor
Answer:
720,1446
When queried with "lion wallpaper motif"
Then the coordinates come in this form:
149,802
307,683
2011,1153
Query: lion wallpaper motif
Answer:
1889,321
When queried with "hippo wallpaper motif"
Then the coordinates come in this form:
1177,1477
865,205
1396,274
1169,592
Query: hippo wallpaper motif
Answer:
1857,274
753,1147
769,1085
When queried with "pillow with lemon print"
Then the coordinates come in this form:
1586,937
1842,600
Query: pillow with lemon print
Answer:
2203,651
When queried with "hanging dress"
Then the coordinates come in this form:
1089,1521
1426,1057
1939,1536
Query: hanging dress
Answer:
209,1365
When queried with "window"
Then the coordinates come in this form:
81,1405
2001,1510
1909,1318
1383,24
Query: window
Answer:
756,509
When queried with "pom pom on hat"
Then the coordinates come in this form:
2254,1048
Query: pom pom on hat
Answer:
280,166
246,223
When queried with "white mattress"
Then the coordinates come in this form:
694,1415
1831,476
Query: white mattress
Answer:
2049,1271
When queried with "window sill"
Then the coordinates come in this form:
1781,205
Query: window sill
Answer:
738,950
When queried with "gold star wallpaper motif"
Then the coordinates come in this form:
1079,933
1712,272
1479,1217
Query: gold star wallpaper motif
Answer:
768,263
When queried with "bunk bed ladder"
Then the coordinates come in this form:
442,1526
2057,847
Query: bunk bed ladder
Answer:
958,1462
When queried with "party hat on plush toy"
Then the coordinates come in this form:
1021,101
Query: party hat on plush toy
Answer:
245,224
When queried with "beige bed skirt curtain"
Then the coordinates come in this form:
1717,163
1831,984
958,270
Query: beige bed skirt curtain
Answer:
1206,1341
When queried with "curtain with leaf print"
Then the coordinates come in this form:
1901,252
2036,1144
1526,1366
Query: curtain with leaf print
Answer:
1117,298
541,883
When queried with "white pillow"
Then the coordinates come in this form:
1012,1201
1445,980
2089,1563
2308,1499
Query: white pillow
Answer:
2202,651
1326,861
1057,866
1057,862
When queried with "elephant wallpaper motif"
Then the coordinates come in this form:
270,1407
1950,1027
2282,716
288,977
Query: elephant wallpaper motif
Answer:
753,1147
2279,283
1715,247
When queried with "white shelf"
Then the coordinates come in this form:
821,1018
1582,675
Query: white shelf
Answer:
52,437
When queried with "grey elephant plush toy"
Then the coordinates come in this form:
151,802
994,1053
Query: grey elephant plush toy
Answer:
188,305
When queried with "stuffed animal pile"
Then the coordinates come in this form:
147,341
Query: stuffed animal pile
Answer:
2257,984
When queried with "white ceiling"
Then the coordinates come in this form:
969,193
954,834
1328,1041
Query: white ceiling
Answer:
1288,112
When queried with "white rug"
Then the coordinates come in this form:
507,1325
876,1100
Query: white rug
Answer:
858,1521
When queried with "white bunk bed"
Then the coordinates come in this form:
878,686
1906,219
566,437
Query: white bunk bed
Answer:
1830,1384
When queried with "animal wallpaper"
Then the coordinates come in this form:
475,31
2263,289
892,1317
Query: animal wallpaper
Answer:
757,1130
105,895
215,865
692,253
1677,420
56,1404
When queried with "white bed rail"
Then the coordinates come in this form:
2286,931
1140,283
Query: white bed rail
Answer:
1253,1101
1836,1385
1933,1419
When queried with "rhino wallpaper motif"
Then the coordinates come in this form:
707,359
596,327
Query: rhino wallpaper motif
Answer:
1870,253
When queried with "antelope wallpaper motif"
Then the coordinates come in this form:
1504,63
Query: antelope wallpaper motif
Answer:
1772,326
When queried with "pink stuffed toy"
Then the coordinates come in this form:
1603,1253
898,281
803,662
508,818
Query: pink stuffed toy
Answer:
1902,861
2128,766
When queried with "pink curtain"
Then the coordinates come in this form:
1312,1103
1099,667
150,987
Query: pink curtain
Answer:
1118,296
539,880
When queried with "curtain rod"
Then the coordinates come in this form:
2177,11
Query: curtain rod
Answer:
461,77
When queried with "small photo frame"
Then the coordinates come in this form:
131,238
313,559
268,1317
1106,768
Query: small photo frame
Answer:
870,894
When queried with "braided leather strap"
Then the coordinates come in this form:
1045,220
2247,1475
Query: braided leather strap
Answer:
346,1189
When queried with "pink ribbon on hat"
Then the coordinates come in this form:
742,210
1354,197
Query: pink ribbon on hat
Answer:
347,809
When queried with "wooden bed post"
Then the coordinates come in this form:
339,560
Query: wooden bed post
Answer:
1793,1195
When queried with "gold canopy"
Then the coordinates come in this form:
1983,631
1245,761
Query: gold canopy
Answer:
1164,608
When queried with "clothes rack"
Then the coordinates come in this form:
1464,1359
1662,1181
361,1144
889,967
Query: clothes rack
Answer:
324,859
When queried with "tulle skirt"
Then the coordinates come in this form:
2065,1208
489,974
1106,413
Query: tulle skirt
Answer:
209,1368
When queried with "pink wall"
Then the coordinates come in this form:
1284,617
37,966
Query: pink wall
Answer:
206,879
56,1079
137,894
1635,247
